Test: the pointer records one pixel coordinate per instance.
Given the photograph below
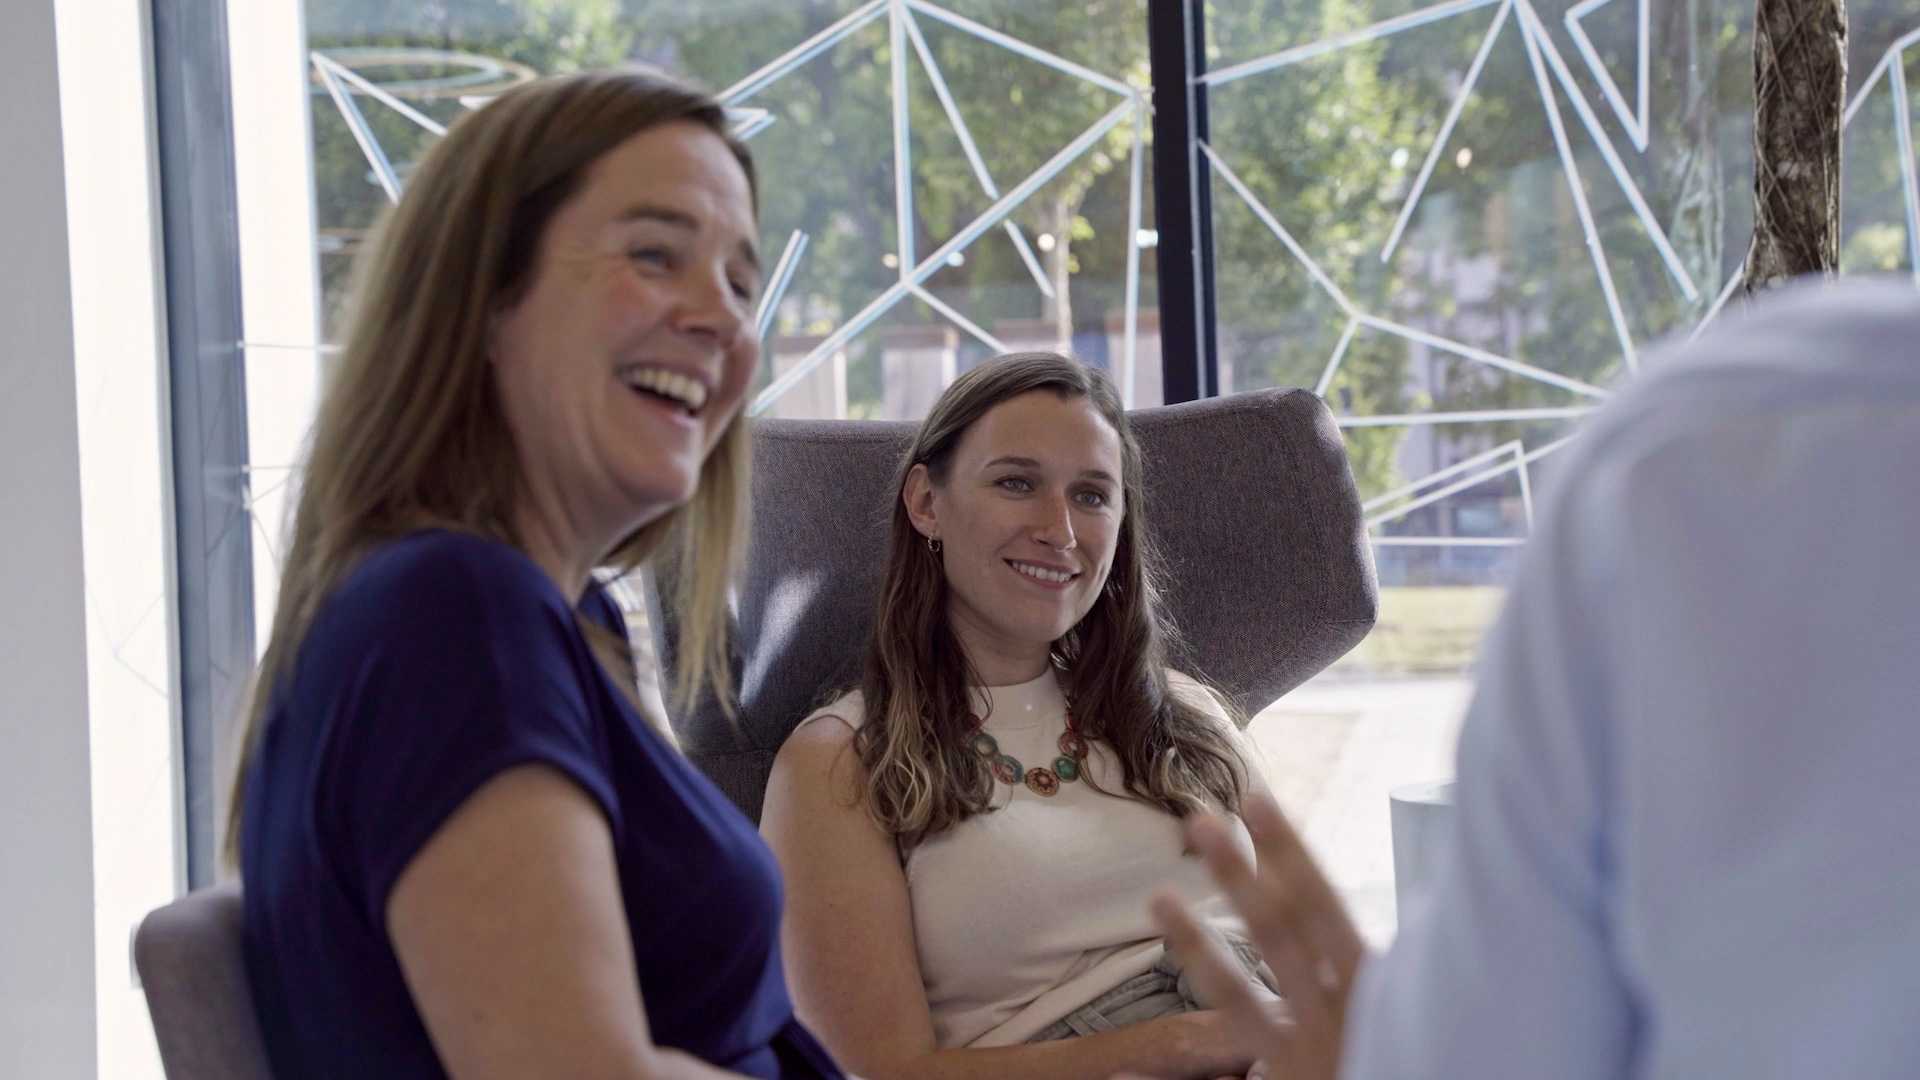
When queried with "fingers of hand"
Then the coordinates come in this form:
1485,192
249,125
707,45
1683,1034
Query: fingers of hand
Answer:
1219,977
1316,1001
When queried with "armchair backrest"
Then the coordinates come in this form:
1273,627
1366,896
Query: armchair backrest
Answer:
192,965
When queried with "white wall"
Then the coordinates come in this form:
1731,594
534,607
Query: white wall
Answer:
113,248
47,1009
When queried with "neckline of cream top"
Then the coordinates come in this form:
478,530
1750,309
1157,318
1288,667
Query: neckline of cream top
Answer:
1038,702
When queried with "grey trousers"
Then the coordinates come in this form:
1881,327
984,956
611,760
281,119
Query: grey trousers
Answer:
1162,990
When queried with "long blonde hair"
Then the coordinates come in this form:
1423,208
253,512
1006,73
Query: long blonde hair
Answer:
410,433
921,777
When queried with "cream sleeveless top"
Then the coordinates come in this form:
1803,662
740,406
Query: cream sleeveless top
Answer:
1026,913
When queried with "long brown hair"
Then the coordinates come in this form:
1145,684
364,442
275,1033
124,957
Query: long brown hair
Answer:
410,433
919,688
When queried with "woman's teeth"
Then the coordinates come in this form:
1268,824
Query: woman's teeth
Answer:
667,384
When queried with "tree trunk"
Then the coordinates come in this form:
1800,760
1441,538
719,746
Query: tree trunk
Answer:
1800,89
1059,217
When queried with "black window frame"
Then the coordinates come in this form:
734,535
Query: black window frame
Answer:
1183,200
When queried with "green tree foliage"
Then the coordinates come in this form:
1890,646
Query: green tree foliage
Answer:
537,35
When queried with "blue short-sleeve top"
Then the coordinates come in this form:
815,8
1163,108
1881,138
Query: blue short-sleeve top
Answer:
441,660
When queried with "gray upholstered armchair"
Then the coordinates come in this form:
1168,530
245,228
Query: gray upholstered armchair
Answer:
1268,573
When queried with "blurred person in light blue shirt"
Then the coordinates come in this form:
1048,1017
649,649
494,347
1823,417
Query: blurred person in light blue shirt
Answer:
1689,785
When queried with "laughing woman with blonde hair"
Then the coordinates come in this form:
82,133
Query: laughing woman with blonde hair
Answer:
464,851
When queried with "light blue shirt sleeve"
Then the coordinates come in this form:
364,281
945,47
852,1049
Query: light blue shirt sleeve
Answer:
1689,782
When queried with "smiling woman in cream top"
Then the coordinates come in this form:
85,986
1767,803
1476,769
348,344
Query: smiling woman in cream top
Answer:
1024,914
970,838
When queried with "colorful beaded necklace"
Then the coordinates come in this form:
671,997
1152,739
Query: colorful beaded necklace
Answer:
1040,780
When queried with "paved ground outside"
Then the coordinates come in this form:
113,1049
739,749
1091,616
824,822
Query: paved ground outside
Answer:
1335,748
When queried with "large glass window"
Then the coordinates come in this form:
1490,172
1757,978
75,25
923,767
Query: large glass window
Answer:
1463,224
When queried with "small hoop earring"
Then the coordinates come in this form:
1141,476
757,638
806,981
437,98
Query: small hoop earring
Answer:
933,545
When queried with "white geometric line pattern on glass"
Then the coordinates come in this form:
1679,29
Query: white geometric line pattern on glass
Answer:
1892,58
1734,281
972,152
1135,154
1446,130
805,51
902,135
1467,416
1517,367
777,281
474,76
1021,48
1909,181
1633,119
1518,460
1406,491
1548,68
1531,20
1312,50
1535,32
926,268
1594,249
1339,353
1356,315
958,319
904,33
749,122
1544,58
376,156
379,93
1534,38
